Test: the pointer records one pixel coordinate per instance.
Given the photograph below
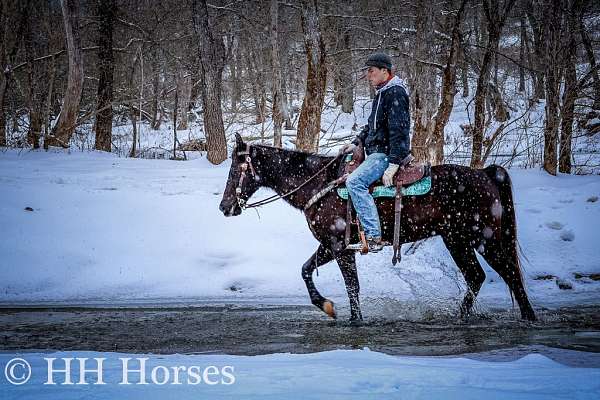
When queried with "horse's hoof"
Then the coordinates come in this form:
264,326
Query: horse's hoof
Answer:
356,322
329,308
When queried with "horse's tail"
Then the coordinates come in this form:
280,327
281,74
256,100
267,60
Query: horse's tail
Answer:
509,242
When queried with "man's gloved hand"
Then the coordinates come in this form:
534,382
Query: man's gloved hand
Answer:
348,148
388,175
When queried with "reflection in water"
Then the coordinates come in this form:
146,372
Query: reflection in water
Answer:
392,327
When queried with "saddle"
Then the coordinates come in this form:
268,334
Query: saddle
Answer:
409,172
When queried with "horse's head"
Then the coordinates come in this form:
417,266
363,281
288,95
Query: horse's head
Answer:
242,181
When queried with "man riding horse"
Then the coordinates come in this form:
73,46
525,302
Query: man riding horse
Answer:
386,142
471,210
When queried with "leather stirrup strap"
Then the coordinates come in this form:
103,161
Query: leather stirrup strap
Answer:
361,233
397,214
363,240
348,221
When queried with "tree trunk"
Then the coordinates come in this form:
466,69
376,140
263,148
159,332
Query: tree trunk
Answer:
552,33
131,108
10,38
212,62
3,88
175,112
194,92
34,79
285,99
67,120
184,89
464,72
156,116
277,77
568,108
106,65
424,94
236,86
497,104
496,17
448,92
570,90
522,48
256,83
342,70
50,95
480,98
235,65
539,43
309,123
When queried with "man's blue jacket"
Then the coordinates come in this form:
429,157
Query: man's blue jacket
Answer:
389,123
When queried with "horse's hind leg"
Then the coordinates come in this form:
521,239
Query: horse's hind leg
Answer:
507,266
320,257
347,263
466,260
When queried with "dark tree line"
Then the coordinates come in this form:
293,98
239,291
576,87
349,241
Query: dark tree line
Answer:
73,65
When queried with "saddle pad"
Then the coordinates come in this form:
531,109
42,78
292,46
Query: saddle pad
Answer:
420,187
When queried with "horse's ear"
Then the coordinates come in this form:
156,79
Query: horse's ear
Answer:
238,140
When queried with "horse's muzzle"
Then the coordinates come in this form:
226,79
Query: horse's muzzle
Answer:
230,209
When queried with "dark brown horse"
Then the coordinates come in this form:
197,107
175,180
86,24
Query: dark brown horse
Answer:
469,208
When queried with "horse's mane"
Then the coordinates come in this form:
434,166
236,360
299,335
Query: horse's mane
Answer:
294,152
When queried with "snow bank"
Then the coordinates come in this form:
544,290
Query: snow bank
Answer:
339,374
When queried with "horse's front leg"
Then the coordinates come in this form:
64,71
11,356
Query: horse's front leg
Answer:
320,257
347,263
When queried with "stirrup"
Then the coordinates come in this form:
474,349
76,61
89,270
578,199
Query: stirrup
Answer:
374,247
355,246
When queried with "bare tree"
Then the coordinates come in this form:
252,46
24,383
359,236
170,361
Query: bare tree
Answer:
442,115
522,52
34,81
106,10
184,89
343,84
67,120
276,86
423,80
570,92
212,61
254,60
495,15
9,46
235,66
553,34
130,105
157,90
535,18
309,123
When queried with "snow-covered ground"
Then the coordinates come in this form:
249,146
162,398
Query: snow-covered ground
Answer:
338,374
109,229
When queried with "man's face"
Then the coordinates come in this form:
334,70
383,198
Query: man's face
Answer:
377,76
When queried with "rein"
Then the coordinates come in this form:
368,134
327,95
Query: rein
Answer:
248,164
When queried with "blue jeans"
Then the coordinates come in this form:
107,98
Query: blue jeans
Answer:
358,187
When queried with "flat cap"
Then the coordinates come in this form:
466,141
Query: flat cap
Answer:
379,60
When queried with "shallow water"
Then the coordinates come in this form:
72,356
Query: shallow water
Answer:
250,329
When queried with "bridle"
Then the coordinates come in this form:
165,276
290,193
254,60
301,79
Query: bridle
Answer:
247,165
243,169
